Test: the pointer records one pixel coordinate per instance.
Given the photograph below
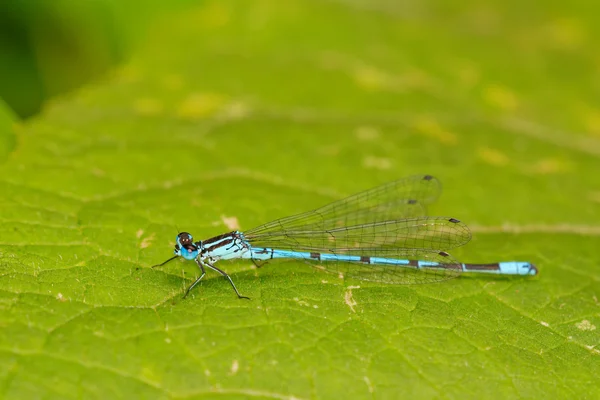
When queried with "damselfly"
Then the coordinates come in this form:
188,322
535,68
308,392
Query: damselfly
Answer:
380,235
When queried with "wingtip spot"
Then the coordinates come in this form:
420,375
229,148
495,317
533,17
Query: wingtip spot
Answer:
533,270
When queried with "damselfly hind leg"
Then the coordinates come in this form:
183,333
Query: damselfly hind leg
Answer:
257,264
228,278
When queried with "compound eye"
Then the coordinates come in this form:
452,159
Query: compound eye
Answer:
186,242
185,239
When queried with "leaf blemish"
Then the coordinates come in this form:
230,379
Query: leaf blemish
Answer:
235,110
585,325
147,241
230,222
348,299
366,133
200,105
98,172
377,162
368,382
301,302
234,367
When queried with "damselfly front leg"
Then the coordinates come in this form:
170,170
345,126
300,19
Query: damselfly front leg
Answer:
201,266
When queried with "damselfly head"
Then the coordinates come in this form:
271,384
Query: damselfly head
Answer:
185,246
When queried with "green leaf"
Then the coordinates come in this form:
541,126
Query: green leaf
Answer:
233,114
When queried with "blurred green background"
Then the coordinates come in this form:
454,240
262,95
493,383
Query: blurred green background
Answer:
122,121
51,47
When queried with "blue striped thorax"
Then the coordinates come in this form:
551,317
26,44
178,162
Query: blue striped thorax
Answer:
185,246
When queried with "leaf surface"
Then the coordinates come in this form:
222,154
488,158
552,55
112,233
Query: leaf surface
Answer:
232,114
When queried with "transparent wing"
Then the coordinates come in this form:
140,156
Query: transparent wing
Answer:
410,274
404,198
424,233
387,221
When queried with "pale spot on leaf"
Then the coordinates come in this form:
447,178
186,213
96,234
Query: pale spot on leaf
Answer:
366,133
500,97
429,127
595,197
348,299
370,78
592,122
230,222
493,156
214,15
301,302
369,384
98,172
329,151
374,79
128,74
149,374
200,105
235,110
567,33
548,166
235,366
377,162
147,241
585,325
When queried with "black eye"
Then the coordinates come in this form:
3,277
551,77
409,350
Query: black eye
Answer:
185,238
